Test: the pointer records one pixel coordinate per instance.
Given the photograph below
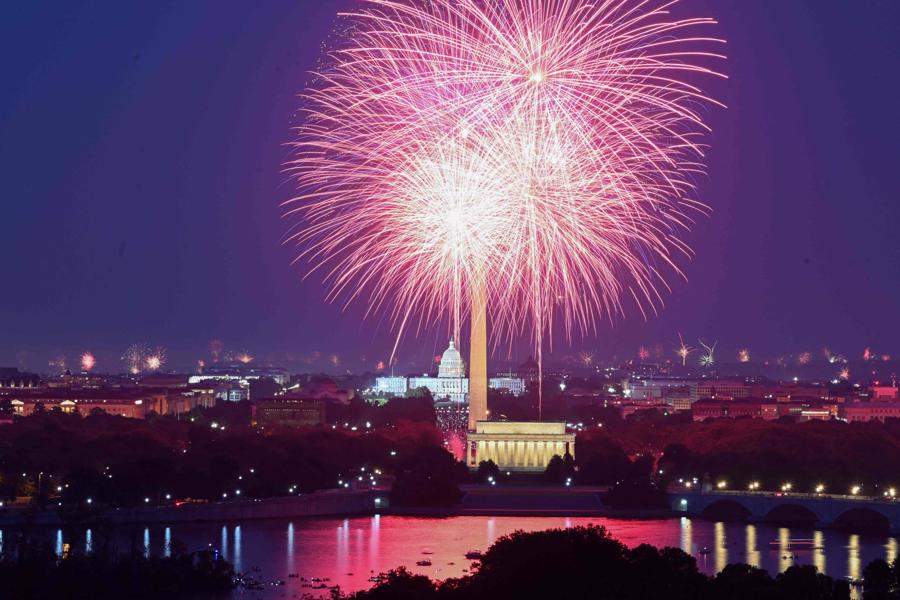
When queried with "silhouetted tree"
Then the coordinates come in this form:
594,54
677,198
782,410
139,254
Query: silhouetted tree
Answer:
487,469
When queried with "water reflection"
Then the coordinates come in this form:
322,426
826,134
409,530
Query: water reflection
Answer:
721,546
752,554
819,551
290,543
687,541
237,548
327,548
785,558
375,539
853,560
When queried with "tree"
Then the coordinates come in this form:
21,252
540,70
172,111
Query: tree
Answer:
428,477
560,469
879,581
487,471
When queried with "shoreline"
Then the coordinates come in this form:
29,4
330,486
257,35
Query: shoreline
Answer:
477,501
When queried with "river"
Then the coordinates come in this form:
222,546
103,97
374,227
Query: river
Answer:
349,551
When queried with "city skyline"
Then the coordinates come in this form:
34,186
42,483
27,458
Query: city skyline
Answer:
797,254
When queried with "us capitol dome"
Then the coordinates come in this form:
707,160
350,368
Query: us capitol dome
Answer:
452,364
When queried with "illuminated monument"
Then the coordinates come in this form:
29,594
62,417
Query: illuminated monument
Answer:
512,446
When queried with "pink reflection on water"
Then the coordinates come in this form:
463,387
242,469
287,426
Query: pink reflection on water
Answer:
357,549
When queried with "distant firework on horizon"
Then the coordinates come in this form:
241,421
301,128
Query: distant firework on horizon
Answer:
744,355
545,152
155,359
708,358
216,347
804,358
88,362
683,350
134,358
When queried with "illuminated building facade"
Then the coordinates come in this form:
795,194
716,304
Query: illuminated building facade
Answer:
451,382
289,412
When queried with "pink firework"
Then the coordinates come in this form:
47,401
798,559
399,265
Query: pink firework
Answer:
543,153
88,362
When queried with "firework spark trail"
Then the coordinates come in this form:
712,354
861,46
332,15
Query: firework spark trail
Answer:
545,150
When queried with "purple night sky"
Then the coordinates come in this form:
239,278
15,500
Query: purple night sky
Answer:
141,147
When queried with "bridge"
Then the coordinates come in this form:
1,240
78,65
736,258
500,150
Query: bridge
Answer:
814,510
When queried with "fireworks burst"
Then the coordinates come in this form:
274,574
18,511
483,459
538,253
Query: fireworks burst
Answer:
844,374
708,358
216,347
542,154
683,350
155,359
804,358
134,358
744,355
88,362
244,358
586,358
643,353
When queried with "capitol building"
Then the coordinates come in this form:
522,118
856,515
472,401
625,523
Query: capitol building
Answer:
451,382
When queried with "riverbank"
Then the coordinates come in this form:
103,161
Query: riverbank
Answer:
477,500
317,504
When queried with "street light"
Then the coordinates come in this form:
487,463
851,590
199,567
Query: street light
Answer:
722,485
787,487
820,488
855,490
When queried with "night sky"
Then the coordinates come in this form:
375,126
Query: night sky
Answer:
141,152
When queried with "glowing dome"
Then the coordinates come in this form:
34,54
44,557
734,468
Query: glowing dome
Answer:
452,364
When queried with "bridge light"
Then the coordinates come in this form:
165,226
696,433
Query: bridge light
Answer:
722,485
855,490
786,487
753,485
820,488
